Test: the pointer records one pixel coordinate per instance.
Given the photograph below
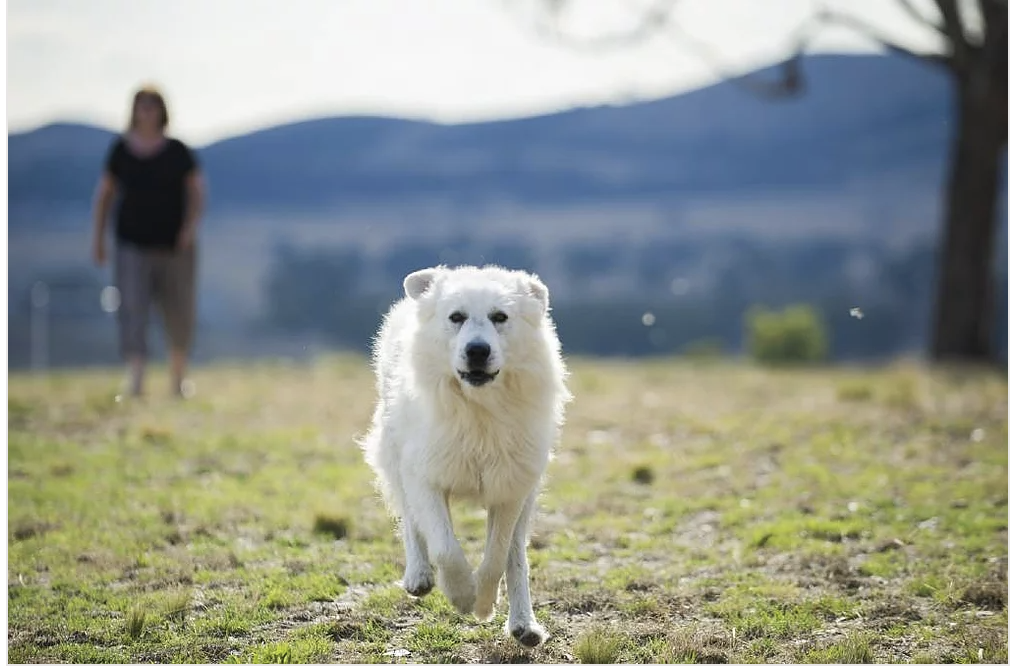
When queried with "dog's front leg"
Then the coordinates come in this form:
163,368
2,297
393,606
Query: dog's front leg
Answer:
428,508
522,624
418,578
501,523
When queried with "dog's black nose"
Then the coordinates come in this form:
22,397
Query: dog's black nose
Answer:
477,354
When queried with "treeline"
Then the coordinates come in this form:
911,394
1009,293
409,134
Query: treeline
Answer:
333,294
622,299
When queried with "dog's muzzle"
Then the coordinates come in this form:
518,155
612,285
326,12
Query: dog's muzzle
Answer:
477,353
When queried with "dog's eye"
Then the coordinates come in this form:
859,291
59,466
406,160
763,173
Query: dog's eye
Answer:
498,317
457,317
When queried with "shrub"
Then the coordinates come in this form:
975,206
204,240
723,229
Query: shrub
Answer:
794,335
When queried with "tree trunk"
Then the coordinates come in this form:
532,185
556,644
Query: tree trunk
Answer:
962,322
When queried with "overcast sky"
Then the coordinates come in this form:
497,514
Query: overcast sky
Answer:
229,66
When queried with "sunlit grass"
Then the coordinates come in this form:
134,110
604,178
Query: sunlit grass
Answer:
693,513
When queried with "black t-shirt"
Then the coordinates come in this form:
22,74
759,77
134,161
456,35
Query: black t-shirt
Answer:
152,192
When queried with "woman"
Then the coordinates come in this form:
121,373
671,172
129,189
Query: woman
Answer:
157,183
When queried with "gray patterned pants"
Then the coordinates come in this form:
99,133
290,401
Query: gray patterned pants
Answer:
165,278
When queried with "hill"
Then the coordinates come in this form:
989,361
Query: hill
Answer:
862,115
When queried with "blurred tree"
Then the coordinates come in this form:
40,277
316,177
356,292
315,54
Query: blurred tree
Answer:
973,34
308,290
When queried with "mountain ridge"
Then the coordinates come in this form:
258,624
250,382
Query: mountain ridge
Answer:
860,114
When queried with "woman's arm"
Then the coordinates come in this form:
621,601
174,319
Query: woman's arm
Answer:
194,208
105,195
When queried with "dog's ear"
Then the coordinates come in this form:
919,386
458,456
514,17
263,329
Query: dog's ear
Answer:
419,282
534,287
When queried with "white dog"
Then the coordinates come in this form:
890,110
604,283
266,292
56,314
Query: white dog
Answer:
471,397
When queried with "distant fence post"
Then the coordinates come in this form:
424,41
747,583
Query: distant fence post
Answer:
40,327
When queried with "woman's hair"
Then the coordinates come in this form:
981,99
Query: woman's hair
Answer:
153,94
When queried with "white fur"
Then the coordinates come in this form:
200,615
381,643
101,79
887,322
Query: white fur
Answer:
435,437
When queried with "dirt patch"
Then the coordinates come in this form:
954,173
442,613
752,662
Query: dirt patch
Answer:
988,595
893,611
30,529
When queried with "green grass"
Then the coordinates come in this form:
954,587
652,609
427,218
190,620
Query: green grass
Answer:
694,513
600,646
851,650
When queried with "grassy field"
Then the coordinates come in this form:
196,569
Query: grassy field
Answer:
694,513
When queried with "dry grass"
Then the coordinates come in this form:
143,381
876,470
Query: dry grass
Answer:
694,513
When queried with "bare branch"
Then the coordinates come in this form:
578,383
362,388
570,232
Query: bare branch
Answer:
791,80
916,14
659,20
867,30
953,28
652,21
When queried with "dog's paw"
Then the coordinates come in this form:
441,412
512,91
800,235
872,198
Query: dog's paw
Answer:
457,583
487,597
529,633
419,582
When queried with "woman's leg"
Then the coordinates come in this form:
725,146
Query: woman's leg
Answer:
178,358
178,307
133,280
